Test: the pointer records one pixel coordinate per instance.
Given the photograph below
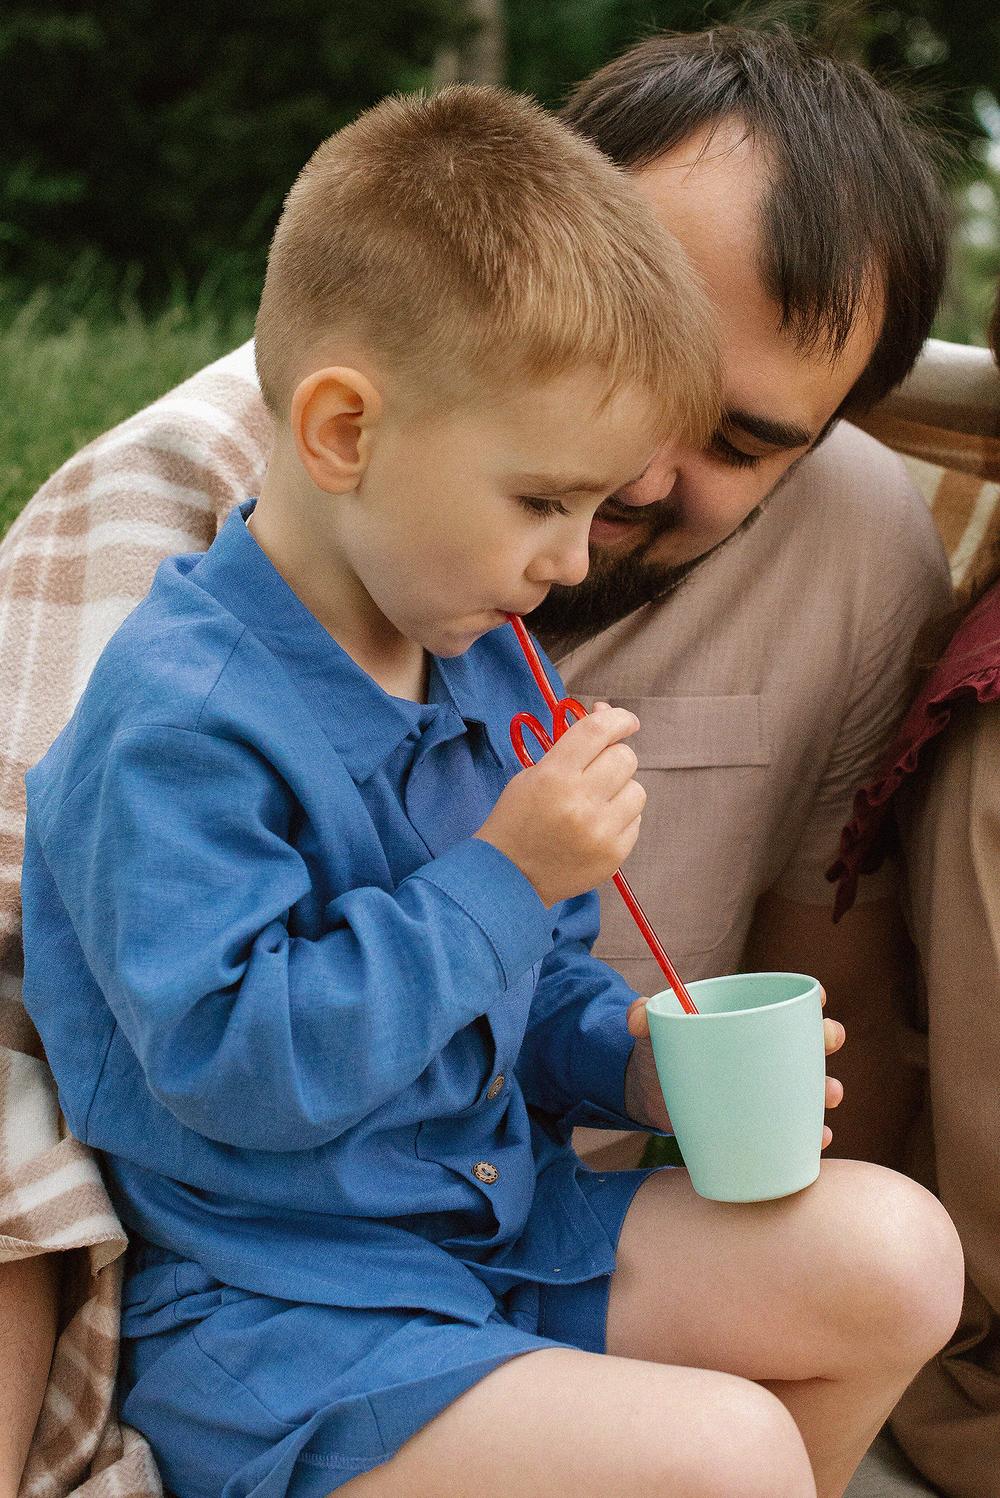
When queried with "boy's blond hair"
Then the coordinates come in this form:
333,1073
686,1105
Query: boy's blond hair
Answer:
469,236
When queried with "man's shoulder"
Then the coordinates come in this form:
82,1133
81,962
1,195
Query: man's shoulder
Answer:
852,503
854,475
222,397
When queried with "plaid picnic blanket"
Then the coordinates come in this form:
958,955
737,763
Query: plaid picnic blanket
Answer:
72,566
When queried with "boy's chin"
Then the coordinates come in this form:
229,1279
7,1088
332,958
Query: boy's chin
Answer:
458,638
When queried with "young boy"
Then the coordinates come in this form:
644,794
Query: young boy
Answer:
334,1012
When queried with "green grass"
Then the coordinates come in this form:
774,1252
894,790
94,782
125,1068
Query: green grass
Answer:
66,380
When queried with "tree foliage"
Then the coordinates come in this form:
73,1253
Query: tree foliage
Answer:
946,52
138,135
167,135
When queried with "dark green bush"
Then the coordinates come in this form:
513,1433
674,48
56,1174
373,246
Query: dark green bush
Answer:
138,134
146,148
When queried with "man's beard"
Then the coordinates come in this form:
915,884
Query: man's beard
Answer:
613,587
618,584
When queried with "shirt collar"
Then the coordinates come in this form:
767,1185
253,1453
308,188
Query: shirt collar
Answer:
362,721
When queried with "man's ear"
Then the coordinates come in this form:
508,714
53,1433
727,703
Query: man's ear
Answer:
333,417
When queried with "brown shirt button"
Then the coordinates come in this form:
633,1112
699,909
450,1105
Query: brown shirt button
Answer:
485,1172
496,1087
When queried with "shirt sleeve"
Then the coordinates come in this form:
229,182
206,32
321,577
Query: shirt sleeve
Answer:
181,899
577,1045
908,587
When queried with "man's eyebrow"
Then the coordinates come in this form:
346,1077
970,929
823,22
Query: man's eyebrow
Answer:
765,429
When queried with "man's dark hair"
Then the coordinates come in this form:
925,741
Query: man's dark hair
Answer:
855,188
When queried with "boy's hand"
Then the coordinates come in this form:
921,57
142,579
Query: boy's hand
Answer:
570,820
643,1097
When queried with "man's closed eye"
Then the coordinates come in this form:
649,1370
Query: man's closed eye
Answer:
735,457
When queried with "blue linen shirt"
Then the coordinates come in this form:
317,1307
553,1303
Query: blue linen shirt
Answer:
331,1043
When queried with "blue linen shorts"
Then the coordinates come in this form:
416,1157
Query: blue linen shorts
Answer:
242,1394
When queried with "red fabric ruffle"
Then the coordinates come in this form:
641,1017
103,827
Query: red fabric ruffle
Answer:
969,669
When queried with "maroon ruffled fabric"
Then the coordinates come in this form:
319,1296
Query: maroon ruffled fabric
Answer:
968,669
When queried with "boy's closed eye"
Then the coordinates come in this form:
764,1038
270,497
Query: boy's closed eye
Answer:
536,505
584,488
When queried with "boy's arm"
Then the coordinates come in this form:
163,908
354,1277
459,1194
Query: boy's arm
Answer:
180,898
72,564
577,1045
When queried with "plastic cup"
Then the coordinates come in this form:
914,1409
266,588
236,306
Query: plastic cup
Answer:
744,1081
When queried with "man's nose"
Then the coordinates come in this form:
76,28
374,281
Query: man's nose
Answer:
656,483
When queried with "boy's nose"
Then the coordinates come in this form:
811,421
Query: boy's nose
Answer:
567,564
572,563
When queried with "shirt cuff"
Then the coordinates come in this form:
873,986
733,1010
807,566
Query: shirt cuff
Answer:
599,1057
494,893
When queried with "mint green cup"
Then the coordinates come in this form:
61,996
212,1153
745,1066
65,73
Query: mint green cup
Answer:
744,1082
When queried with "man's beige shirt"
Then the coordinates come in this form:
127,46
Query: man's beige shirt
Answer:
767,685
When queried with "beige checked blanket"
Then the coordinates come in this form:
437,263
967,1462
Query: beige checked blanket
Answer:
72,566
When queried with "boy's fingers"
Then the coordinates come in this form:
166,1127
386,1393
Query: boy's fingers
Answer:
827,1136
834,1092
629,836
834,1035
612,770
627,802
584,740
637,1019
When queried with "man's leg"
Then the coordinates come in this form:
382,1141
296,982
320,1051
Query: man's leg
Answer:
832,1298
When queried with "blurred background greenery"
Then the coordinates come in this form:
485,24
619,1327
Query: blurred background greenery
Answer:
146,150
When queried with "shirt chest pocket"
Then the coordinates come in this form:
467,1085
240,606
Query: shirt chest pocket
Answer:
705,765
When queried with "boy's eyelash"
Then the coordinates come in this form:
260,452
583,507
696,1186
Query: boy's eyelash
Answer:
536,506
734,456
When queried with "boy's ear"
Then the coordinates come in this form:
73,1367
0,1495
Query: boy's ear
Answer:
333,417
